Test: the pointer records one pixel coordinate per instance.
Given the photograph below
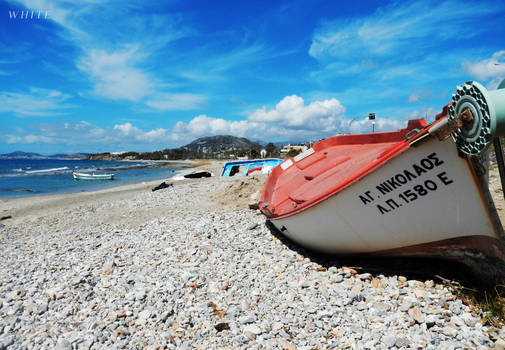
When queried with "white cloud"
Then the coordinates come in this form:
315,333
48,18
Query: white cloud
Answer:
126,129
130,132
165,102
289,119
114,74
381,125
38,102
491,69
292,112
116,45
421,94
400,27
29,139
414,97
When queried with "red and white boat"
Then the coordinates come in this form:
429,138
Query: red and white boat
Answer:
410,192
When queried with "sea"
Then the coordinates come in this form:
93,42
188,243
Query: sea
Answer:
34,177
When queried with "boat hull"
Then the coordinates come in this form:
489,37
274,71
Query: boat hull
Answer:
445,211
365,217
248,167
83,176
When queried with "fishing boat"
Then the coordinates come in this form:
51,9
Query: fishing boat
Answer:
92,176
420,191
248,167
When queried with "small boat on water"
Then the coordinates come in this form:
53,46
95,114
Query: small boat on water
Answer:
412,192
248,167
92,176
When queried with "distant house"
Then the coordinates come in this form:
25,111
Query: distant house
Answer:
286,149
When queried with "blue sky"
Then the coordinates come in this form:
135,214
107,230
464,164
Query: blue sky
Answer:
140,75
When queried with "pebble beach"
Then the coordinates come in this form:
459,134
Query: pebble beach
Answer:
192,267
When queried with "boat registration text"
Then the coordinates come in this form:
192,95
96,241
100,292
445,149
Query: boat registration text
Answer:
421,187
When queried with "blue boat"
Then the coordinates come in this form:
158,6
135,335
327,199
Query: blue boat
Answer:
246,167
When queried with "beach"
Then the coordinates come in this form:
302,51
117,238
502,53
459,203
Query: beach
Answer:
191,266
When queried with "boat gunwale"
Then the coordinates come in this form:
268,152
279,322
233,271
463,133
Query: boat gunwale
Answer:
387,155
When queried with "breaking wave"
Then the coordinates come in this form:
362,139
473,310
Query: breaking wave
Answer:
51,170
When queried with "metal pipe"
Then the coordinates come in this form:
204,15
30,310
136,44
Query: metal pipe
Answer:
488,111
498,150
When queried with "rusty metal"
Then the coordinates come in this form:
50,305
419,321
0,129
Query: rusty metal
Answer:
464,119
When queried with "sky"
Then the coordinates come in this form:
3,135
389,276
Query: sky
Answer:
111,76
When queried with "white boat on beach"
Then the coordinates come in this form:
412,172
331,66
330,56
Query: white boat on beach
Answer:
413,192
92,176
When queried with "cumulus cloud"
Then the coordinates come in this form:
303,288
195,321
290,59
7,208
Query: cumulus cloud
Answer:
131,132
490,70
289,119
292,112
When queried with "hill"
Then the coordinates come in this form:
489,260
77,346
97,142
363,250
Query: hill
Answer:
31,155
21,155
220,143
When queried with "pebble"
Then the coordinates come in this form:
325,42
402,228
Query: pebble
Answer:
417,315
200,275
6,341
390,340
63,345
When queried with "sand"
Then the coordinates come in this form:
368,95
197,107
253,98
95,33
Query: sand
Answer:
30,210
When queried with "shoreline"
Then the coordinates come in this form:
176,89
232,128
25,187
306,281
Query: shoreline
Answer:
26,192
40,205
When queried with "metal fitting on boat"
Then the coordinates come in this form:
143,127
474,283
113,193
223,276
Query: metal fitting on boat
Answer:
488,111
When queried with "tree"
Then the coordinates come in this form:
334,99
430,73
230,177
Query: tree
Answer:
294,152
270,148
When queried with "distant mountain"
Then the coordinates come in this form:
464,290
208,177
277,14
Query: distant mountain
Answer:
31,155
69,156
21,155
220,143
282,143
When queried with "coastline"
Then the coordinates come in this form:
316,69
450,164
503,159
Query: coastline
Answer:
20,208
58,180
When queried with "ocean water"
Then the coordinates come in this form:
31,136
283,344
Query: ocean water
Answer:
26,177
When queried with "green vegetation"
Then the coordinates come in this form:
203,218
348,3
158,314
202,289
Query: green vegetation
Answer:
490,303
294,152
214,147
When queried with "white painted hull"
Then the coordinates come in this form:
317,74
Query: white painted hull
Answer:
449,205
